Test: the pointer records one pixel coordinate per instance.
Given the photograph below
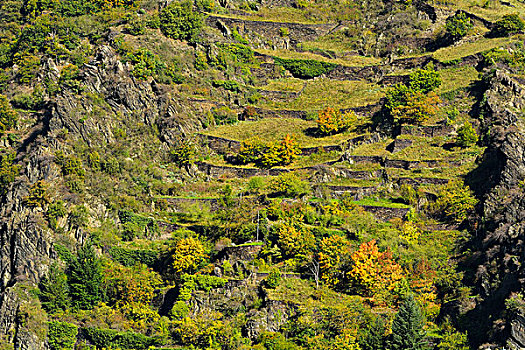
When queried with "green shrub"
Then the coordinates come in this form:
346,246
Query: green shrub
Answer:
38,195
457,26
179,21
455,201
8,171
183,153
274,279
224,116
62,335
467,135
104,338
8,117
406,105
70,165
229,85
507,25
305,69
54,211
425,80
289,184
131,257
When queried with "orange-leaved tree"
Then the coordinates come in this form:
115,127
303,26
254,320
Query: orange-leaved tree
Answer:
331,121
374,274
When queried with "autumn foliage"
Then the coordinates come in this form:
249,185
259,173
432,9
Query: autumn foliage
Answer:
374,274
332,121
267,155
188,255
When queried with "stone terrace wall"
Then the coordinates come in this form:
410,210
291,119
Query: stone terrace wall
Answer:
298,32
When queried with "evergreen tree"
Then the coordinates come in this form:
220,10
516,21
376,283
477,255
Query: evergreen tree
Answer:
85,278
407,328
374,337
54,291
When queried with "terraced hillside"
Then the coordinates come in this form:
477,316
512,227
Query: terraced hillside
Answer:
271,174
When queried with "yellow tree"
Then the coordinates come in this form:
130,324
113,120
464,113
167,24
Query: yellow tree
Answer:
295,242
187,255
332,251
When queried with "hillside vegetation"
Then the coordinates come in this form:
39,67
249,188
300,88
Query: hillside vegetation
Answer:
262,174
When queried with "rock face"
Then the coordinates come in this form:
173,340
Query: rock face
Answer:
27,249
497,263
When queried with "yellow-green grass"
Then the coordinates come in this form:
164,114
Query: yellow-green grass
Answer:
424,148
352,60
274,129
372,149
321,93
491,11
373,202
284,84
451,53
343,181
284,15
457,77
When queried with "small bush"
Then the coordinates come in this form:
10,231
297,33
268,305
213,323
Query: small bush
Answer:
179,21
8,117
305,69
409,106
425,80
457,26
104,338
331,121
508,25
289,184
132,257
467,135
229,85
62,335
274,279
455,201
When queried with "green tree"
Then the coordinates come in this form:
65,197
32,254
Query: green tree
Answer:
62,335
424,80
467,135
507,25
179,21
456,200
457,26
8,117
408,105
85,278
374,337
54,290
407,328
8,171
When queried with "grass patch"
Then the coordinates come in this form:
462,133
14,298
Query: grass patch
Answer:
284,84
373,202
456,78
273,129
451,53
350,61
322,93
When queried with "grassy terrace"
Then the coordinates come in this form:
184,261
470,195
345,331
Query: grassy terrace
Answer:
451,53
272,129
457,77
284,15
322,93
373,202
351,60
491,11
